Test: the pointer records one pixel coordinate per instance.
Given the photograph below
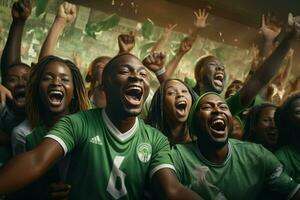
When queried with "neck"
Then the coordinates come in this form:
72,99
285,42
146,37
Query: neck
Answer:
179,133
213,154
122,122
53,118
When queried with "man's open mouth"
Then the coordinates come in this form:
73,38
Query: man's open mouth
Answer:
55,97
133,95
219,79
20,96
218,126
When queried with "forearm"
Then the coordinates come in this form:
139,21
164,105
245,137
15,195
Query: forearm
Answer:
265,72
29,166
267,48
52,38
160,44
12,50
287,70
173,64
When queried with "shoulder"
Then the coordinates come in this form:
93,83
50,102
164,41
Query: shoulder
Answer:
249,148
282,152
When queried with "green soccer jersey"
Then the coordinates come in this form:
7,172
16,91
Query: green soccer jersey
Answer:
247,169
290,158
35,137
107,164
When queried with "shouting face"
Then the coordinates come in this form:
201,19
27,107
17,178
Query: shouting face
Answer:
127,86
15,81
56,88
177,101
214,120
211,75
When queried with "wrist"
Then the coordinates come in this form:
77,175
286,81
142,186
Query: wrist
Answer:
160,72
60,20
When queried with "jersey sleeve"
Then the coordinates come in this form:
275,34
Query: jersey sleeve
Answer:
161,157
277,180
66,132
235,104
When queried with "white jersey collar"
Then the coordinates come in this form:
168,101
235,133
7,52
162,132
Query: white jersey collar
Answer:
115,131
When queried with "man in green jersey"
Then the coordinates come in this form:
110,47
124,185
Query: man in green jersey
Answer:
220,168
114,153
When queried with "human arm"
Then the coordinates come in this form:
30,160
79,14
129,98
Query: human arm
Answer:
185,46
161,43
270,32
167,181
155,63
4,95
35,162
12,50
65,15
126,42
267,70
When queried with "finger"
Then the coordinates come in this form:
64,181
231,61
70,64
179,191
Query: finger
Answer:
173,26
196,14
263,20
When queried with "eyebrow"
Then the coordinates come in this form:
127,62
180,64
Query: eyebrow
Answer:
141,67
213,102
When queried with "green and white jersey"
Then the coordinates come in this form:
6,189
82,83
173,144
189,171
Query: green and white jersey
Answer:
35,137
107,164
247,170
290,158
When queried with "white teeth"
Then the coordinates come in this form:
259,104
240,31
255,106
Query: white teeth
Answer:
55,92
218,121
220,76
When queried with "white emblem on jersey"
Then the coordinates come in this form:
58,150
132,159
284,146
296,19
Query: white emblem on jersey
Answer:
96,140
144,151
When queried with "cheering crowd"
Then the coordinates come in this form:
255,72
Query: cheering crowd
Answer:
119,138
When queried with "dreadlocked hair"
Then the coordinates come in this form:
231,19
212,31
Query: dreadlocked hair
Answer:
156,116
33,99
252,119
282,117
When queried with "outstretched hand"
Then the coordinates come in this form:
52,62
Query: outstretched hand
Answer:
201,17
21,10
155,61
168,30
126,42
66,12
4,95
269,30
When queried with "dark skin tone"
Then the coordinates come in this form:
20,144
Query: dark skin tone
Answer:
49,151
12,50
210,108
294,120
262,75
213,145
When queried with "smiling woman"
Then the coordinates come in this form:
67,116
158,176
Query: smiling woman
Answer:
55,90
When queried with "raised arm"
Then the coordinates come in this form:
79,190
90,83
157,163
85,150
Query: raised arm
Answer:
126,42
268,69
167,181
65,15
185,46
29,166
270,32
200,21
12,50
155,63
162,41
